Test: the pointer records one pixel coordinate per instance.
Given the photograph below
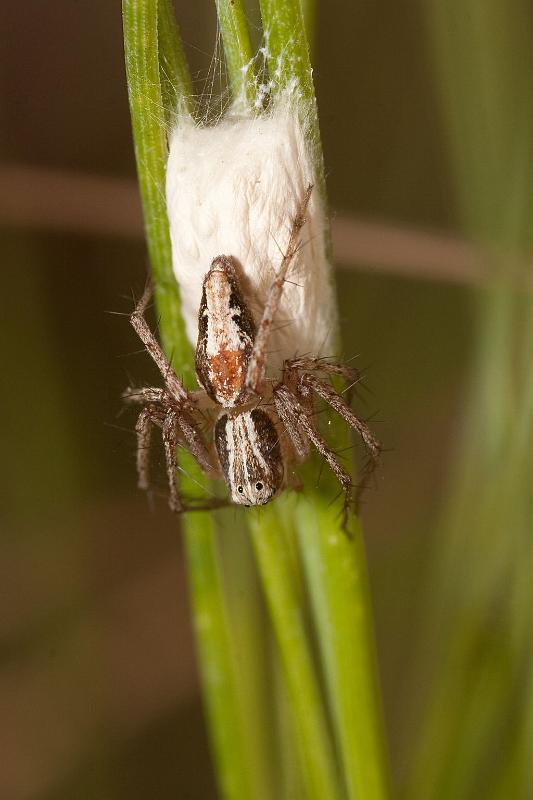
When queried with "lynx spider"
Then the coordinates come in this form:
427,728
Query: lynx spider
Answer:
263,425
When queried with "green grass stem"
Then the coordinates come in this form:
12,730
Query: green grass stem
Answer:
141,47
237,48
336,571
280,581
175,79
141,40
289,61
336,567
226,718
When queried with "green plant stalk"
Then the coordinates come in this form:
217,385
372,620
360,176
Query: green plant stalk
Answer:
288,50
242,77
175,79
306,704
339,590
289,60
215,646
252,645
288,756
149,136
280,583
237,48
140,19
343,617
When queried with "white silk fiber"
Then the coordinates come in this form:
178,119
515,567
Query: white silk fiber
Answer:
233,189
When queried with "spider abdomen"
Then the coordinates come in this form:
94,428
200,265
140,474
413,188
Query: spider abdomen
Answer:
250,456
226,332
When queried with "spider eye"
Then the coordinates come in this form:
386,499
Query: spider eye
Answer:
258,486
240,489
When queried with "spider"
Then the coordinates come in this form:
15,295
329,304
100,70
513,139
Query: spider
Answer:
262,425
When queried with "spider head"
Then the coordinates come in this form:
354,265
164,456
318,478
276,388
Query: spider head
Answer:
252,493
249,452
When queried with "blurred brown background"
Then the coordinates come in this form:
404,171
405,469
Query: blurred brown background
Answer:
98,690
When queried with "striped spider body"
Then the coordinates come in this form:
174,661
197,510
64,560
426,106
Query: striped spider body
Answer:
246,442
262,425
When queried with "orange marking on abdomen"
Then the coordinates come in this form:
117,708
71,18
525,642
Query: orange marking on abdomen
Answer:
227,372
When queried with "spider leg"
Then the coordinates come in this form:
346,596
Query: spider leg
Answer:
293,367
145,394
195,443
314,364
286,412
175,386
146,420
326,392
187,425
179,428
171,428
170,442
294,417
256,366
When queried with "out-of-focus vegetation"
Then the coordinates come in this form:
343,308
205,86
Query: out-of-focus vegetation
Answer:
476,737
426,115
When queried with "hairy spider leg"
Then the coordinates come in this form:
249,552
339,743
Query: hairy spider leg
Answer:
317,364
293,367
171,410
170,442
173,430
323,390
144,435
296,433
161,401
195,443
146,394
256,365
174,385
294,417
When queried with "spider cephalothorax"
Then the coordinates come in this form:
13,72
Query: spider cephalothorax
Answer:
263,425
